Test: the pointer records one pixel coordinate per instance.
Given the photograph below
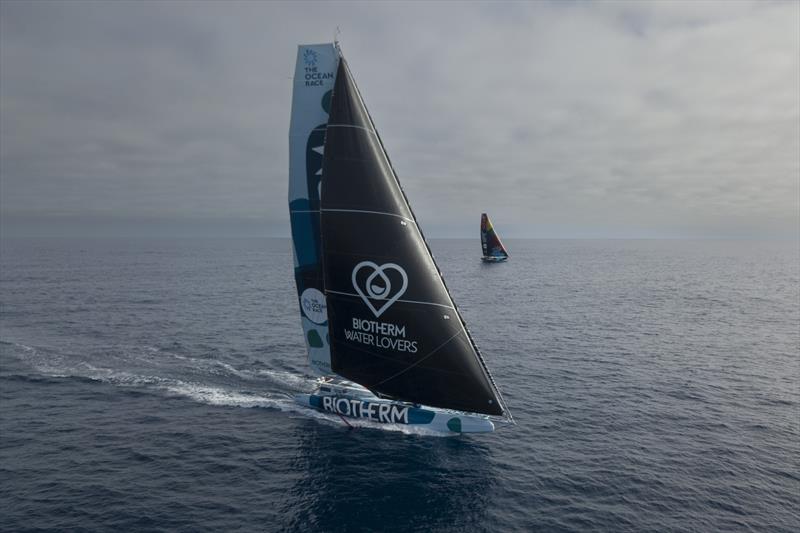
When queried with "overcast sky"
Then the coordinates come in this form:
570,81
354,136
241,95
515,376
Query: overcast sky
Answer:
560,119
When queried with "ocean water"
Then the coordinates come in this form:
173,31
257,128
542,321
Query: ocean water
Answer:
144,385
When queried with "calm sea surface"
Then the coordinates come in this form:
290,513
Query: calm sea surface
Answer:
144,386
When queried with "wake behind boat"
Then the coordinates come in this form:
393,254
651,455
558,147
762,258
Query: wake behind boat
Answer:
379,323
492,246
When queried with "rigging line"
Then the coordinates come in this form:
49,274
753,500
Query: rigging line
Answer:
332,125
409,367
329,210
402,301
349,426
505,426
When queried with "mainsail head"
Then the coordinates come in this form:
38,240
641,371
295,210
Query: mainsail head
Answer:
393,326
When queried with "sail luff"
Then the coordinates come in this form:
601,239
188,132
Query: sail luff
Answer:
405,212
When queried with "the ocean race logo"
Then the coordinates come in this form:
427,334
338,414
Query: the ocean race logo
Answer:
310,58
312,302
311,74
385,283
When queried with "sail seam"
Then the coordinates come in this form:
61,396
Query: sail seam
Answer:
403,301
418,361
370,212
351,126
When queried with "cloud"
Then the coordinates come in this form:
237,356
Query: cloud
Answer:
617,119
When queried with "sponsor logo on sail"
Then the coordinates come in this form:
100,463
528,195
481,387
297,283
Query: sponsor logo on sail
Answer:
312,75
381,335
373,282
312,302
310,57
380,286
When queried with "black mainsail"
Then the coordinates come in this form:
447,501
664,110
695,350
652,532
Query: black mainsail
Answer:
393,326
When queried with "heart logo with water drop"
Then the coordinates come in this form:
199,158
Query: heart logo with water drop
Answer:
373,282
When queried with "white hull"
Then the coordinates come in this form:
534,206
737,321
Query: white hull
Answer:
352,401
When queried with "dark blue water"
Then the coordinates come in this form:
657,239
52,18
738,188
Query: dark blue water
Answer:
143,386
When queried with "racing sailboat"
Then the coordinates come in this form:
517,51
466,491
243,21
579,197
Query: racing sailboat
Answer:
492,246
382,332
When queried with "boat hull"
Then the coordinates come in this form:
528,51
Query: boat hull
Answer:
389,412
493,259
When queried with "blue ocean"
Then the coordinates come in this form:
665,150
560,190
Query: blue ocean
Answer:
145,385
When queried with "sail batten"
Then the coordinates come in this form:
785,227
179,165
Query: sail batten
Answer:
393,325
369,212
350,126
328,291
